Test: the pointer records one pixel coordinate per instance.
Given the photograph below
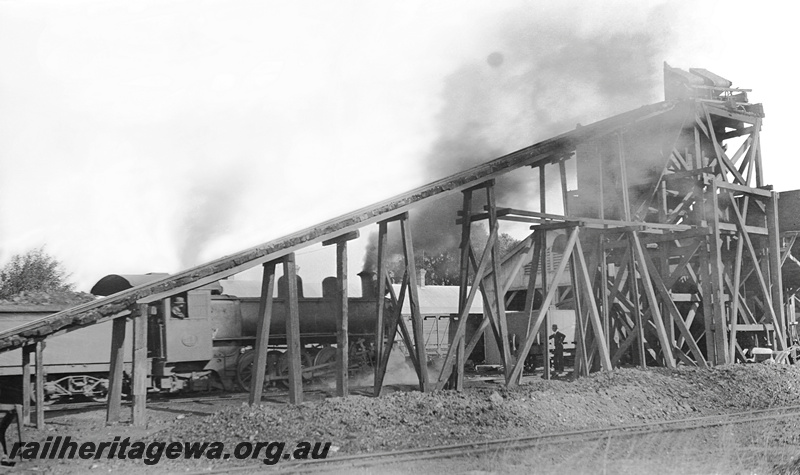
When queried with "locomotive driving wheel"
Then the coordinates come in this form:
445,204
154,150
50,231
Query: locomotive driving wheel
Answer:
361,354
306,361
244,367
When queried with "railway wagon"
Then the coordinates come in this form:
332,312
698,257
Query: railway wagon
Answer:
77,362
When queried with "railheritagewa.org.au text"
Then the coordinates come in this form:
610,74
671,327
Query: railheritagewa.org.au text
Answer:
152,453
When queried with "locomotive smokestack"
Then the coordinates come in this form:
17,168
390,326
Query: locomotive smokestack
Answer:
367,284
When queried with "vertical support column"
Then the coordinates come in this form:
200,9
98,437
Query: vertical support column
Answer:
115,370
342,342
791,329
380,310
341,321
536,240
463,284
581,358
140,366
579,367
663,248
40,379
737,277
756,153
497,289
719,323
776,282
543,209
293,348
27,390
413,296
546,342
262,332
601,251
633,288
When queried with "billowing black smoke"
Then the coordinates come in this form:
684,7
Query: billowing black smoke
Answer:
540,80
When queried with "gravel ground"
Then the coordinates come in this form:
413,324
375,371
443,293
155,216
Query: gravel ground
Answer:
413,419
406,419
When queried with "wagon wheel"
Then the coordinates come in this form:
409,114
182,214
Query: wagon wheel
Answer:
48,399
97,392
306,361
244,367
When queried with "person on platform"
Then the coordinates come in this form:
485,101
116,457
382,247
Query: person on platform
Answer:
558,351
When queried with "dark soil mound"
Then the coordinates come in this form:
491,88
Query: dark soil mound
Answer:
413,419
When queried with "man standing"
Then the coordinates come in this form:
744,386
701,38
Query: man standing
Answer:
558,352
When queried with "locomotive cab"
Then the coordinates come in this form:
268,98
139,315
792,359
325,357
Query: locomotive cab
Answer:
178,328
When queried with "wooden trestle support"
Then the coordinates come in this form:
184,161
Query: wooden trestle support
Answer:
672,247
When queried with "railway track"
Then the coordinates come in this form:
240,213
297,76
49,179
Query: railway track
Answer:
80,406
156,401
381,459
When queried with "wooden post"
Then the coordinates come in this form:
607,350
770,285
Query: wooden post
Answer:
116,369
776,281
545,290
580,357
543,209
293,332
27,391
717,266
633,288
737,276
604,289
342,343
756,152
380,349
663,249
262,333
531,290
463,292
140,366
502,324
413,301
40,379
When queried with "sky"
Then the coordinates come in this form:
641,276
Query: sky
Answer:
152,136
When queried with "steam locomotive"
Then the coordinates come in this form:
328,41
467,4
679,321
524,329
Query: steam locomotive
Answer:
201,335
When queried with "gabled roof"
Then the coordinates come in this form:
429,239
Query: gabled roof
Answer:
439,300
